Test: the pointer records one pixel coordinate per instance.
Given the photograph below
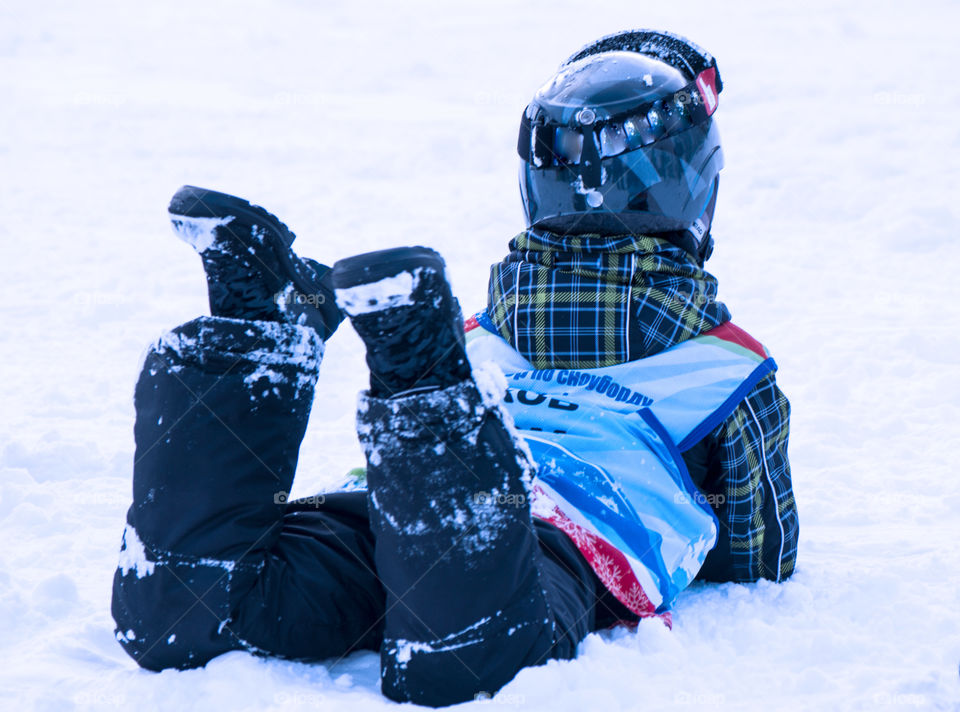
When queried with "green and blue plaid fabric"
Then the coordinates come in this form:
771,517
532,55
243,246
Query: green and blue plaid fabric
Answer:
759,527
589,301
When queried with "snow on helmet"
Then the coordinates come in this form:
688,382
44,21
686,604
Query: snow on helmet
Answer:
622,139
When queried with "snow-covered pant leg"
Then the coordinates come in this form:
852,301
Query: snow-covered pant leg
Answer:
213,558
471,599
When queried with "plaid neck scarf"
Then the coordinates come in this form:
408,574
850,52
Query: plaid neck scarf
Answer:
589,301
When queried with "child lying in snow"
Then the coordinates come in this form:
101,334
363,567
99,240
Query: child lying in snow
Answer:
650,438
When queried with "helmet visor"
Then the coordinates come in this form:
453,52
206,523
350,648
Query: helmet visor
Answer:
548,144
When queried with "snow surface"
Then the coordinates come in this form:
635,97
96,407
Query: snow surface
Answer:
366,126
199,233
386,293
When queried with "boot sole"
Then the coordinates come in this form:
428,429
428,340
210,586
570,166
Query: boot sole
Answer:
372,267
193,202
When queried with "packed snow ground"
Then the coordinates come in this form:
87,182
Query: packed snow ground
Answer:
372,125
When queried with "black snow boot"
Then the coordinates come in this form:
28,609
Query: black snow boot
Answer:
448,491
252,272
400,303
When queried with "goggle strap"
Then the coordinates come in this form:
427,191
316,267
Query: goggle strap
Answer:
524,141
708,84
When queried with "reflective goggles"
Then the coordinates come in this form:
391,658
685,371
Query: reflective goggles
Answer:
544,143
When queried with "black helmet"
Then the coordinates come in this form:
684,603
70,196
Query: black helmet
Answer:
621,139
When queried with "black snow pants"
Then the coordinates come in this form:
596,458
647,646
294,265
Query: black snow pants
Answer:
438,565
